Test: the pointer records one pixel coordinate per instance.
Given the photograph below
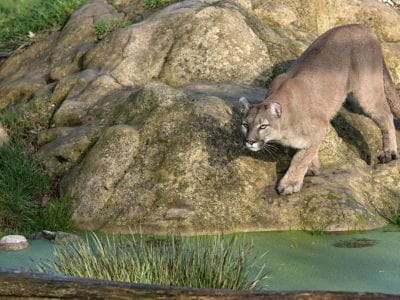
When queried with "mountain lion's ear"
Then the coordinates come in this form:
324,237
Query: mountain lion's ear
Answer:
275,109
244,105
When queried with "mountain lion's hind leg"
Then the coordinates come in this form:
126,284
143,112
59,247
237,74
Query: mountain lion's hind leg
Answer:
376,106
385,123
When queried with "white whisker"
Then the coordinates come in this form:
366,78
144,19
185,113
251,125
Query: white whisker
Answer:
270,150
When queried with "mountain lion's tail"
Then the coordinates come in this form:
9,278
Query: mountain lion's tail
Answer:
391,94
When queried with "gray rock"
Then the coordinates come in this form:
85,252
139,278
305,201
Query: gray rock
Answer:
50,235
180,165
226,91
185,42
13,242
99,173
177,213
304,17
66,149
79,36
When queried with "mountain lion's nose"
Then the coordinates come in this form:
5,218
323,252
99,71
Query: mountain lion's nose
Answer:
250,142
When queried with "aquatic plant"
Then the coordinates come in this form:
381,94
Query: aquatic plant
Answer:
197,262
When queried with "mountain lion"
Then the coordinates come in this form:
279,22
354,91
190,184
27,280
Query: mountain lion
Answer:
302,101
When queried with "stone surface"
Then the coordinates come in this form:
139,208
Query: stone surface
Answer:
188,41
66,149
58,237
146,132
319,16
50,235
78,36
178,164
13,242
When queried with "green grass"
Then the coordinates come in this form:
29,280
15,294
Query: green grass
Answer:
104,27
198,262
395,219
57,215
153,4
389,210
23,183
24,121
392,214
19,17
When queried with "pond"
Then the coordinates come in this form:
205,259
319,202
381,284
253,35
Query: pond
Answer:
359,261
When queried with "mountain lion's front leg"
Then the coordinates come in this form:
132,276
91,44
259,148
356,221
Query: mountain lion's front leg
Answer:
293,179
314,167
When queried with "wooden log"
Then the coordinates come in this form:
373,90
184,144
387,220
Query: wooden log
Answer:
18,284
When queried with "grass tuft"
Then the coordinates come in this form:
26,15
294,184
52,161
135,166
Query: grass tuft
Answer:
19,17
104,27
390,210
24,121
23,186
57,215
23,183
392,214
153,4
197,262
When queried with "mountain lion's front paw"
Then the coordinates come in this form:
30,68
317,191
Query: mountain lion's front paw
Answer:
386,156
288,187
312,171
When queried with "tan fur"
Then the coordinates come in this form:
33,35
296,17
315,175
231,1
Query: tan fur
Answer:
301,102
391,93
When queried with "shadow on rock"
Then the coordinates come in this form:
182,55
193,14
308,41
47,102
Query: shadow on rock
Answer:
352,136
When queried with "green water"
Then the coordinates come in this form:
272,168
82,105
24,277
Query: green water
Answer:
28,258
301,261
297,260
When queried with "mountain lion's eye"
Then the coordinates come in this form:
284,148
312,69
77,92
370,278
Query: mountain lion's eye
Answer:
263,126
245,125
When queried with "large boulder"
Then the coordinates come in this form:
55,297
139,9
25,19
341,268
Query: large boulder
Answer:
188,41
78,36
52,58
174,160
145,132
316,17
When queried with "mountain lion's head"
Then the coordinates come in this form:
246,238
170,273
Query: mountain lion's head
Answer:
261,123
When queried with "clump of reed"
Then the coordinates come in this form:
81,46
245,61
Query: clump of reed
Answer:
198,262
